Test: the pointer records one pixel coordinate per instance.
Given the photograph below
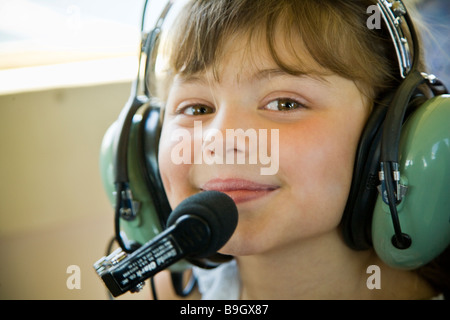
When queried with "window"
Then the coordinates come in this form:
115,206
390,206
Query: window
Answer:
45,42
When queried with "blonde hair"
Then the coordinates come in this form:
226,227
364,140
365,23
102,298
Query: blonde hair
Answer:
333,32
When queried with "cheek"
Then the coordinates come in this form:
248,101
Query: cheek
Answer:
318,169
174,175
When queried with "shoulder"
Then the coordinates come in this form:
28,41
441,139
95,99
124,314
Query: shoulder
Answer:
222,282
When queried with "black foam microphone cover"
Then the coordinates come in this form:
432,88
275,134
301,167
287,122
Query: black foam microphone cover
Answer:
217,210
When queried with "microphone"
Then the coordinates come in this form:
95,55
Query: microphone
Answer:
197,228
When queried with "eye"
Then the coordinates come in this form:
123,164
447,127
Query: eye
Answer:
283,104
196,110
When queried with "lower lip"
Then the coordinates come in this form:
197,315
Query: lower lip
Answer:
241,196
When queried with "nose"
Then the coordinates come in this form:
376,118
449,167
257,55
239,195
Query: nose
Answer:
230,136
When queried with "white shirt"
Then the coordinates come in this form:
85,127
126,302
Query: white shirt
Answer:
221,283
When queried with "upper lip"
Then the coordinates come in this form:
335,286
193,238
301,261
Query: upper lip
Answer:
236,184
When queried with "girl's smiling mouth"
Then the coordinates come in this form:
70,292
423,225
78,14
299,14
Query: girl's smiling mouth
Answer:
240,190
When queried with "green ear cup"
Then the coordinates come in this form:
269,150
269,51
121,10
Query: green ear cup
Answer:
424,213
146,225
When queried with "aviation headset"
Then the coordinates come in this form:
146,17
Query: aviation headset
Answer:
405,217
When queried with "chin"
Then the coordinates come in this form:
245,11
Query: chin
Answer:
245,244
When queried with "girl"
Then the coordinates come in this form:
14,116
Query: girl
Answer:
309,71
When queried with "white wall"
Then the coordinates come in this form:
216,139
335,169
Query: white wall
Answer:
53,210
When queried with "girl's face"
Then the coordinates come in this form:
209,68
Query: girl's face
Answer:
311,124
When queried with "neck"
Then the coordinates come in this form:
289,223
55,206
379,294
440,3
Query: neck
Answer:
323,268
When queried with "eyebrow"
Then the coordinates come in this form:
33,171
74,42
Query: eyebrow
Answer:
182,79
269,73
262,74
278,72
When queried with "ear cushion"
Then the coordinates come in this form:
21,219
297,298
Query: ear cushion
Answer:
356,220
149,135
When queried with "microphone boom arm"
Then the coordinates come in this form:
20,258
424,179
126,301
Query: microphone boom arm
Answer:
122,272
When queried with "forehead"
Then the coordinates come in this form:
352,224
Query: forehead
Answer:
252,57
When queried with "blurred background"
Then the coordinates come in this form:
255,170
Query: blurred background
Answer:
66,68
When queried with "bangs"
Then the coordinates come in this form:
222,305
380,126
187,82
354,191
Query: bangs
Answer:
302,37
